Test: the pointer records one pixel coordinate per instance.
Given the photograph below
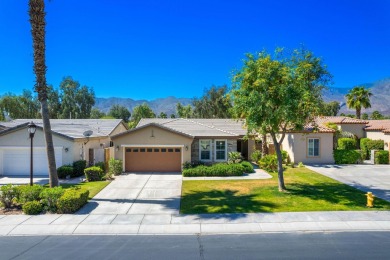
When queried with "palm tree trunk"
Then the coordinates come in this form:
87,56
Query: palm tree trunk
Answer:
358,112
38,24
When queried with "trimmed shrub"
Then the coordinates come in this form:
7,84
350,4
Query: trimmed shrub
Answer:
115,167
300,165
248,167
219,169
32,207
50,197
29,193
364,148
78,168
256,156
381,157
94,173
285,157
101,165
65,170
269,163
346,156
72,200
8,195
346,144
375,145
234,157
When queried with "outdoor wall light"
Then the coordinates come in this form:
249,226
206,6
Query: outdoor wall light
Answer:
186,147
117,148
66,149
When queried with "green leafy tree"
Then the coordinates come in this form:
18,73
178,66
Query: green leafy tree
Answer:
365,116
279,93
173,116
96,113
163,115
358,98
184,111
141,111
376,115
53,99
76,101
22,106
38,25
120,112
330,109
215,103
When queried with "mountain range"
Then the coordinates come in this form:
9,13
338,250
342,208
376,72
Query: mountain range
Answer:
380,100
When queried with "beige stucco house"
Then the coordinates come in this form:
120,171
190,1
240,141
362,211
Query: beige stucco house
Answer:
379,130
165,144
70,143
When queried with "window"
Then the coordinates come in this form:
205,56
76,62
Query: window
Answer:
156,150
142,150
128,150
220,150
205,150
177,150
313,147
149,150
170,150
163,150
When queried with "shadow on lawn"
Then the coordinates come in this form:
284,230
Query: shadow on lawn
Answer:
226,201
335,193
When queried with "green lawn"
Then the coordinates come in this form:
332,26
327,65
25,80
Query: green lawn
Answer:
93,187
307,191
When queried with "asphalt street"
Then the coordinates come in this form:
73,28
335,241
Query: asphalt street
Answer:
351,245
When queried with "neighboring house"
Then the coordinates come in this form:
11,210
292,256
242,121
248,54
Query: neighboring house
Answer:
165,144
379,130
315,144
70,144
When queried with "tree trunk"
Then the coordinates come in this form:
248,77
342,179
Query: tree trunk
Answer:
38,25
53,177
281,185
264,147
358,112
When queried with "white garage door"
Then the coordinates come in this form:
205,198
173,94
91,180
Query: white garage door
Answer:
16,161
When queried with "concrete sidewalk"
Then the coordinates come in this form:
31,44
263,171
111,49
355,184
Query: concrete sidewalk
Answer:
125,224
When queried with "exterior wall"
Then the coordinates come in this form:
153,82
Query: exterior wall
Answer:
20,138
231,147
379,135
81,150
357,129
296,146
152,136
251,148
119,129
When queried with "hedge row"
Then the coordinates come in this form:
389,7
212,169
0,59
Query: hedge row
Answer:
75,170
35,199
346,156
219,169
381,157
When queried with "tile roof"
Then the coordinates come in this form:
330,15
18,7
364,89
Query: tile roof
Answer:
200,127
378,125
73,128
340,120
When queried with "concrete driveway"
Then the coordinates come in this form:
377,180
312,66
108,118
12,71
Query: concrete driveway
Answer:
138,195
374,178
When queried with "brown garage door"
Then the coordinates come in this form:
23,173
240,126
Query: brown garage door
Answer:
152,159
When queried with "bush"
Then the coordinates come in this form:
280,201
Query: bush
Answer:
346,144
29,193
72,200
32,207
300,165
381,157
219,169
256,156
285,157
364,148
8,195
375,145
269,163
65,170
78,168
234,157
248,167
115,167
50,197
101,165
94,173
346,156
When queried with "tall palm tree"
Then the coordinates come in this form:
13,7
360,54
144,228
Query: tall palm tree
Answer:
358,98
37,21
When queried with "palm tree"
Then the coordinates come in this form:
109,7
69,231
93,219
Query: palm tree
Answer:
358,98
37,21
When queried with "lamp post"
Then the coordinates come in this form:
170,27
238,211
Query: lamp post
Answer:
31,127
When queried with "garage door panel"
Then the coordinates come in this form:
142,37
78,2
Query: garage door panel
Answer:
17,161
153,159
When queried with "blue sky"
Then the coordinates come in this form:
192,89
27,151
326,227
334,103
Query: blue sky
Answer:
149,49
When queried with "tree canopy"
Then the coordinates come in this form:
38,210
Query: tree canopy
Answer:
358,98
140,111
184,111
215,103
279,93
120,112
329,109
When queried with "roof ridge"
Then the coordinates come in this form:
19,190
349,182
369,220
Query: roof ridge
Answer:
212,127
